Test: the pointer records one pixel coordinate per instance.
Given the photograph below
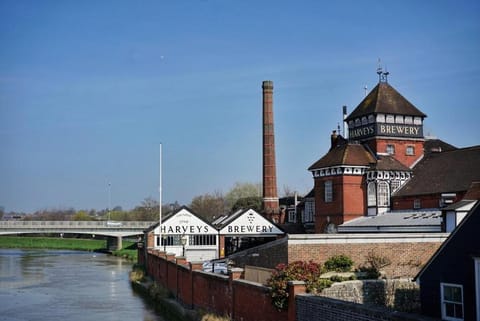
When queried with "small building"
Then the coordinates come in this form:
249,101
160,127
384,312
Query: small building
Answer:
184,233
450,281
244,229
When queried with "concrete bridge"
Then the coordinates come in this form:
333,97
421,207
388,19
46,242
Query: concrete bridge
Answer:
114,230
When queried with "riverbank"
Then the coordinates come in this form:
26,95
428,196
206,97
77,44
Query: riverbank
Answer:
51,243
129,251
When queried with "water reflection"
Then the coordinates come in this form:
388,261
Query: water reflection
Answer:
67,285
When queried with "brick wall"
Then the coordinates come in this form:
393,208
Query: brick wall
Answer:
310,307
267,255
407,252
380,146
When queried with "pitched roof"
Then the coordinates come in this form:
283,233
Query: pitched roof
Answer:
389,163
468,226
436,145
445,172
384,99
401,221
345,154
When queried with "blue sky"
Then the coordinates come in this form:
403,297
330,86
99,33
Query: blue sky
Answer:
89,89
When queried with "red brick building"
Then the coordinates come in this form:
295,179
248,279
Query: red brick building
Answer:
387,164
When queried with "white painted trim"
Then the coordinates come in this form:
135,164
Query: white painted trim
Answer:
442,308
304,239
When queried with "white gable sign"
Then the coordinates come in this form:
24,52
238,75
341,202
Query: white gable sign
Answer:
251,223
185,222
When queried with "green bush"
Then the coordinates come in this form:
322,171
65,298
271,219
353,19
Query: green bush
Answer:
339,263
308,272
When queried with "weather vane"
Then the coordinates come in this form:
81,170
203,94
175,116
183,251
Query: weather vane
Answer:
382,75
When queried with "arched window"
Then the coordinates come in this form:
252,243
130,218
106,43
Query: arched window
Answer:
383,196
372,194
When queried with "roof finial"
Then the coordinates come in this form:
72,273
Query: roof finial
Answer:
382,75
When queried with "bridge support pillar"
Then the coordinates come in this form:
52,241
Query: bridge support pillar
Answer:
114,243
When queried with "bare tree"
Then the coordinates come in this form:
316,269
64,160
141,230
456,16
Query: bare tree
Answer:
208,206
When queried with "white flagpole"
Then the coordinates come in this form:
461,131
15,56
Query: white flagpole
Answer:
160,197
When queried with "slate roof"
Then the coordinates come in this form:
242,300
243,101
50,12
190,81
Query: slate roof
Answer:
445,172
437,145
389,163
384,99
345,154
398,221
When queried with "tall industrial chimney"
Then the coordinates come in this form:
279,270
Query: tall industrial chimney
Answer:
270,197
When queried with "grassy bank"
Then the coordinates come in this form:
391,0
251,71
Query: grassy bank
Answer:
51,243
129,251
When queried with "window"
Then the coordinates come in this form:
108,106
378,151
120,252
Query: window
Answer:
208,239
383,197
292,216
171,240
417,203
309,210
372,194
452,301
328,191
410,150
394,185
390,149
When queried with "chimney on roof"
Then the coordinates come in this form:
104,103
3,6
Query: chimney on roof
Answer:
333,139
270,196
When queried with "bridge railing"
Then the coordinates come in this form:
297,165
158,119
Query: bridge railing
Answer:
76,224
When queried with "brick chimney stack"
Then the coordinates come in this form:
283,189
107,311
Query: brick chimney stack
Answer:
271,206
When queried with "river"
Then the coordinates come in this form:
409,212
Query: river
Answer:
68,286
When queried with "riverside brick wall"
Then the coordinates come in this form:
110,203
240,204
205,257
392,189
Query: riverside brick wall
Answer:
224,295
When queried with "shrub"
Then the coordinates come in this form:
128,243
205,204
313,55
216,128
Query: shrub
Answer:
339,263
308,272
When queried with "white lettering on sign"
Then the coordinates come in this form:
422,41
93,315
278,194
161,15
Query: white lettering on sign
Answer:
184,229
249,229
363,131
404,130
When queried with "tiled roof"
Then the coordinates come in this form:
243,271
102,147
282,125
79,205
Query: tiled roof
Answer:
437,145
384,99
345,154
389,163
445,172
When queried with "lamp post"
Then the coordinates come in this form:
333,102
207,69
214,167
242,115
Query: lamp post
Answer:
183,240
164,240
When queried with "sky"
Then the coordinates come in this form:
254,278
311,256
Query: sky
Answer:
90,89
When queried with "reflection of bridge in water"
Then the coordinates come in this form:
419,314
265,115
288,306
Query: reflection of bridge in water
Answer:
114,230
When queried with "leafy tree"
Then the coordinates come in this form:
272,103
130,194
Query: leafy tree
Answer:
2,211
208,206
242,190
82,216
254,202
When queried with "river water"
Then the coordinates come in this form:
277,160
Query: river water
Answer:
68,286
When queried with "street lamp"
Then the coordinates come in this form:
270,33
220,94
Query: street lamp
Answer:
183,240
164,240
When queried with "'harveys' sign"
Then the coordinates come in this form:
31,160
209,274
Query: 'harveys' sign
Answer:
185,222
251,223
397,130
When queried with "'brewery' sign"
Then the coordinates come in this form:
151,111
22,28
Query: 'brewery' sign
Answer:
383,129
250,223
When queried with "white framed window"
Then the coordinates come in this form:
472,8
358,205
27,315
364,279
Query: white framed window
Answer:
309,211
372,194
292,216
203,239
390,149
410,150
417,203
383,194
452,301
328,185
390,119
